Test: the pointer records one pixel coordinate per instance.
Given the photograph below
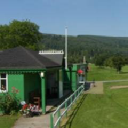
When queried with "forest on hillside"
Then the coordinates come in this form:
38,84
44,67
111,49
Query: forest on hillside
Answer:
90,46
100,50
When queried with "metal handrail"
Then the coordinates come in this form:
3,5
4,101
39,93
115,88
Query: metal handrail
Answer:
62,109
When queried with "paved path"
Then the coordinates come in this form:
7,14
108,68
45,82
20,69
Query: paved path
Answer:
42,121
105,81
34,122
119,87
95,88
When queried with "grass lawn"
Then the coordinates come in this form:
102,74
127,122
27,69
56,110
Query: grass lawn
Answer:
7,121
109,110
106,73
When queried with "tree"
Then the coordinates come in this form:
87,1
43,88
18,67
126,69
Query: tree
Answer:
4,31
116,62
24,33
99,59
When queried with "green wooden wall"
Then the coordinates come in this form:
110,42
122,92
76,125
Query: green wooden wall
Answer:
25,83
74,77
67,78
17,81
70,77
31,82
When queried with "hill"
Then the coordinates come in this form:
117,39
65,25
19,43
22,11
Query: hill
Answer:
90,46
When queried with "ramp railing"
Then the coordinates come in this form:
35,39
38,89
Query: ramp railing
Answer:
62,109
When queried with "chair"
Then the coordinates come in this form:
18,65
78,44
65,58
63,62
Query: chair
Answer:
36,101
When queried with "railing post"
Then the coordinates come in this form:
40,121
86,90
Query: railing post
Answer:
81,89
83,86
71,101
75,95
66,107
78,91
51,121
59,114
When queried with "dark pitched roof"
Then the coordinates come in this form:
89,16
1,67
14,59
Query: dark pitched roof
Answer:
22,58
57,58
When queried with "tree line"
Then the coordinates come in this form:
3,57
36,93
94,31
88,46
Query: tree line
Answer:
100,50
116,61
24,33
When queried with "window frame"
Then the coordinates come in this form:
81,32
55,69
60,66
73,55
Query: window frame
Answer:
4,91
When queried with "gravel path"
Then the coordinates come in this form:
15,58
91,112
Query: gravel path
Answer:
34,122
118,87
95,88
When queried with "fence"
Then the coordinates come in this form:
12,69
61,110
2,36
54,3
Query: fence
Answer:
61,111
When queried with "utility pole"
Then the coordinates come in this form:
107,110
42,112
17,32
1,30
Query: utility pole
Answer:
84,59
66,48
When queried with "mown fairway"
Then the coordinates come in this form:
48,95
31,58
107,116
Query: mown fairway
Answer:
109,110
106,73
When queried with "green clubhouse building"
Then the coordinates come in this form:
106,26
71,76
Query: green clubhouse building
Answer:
38,74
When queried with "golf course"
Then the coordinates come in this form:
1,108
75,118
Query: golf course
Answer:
107,110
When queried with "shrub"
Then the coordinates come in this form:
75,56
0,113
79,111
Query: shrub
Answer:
9,102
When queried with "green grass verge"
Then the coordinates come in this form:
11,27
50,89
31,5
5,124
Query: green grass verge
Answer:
109,110
106,73
7,121
67,120
109,84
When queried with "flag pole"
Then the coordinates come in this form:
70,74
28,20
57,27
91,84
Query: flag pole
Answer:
66,48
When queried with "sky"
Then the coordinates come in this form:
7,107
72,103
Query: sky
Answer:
82,17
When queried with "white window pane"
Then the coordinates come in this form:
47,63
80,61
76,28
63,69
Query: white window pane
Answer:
3,85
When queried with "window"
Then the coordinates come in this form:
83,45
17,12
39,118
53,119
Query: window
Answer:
3,82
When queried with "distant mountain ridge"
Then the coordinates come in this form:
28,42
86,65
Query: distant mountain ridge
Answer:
90,46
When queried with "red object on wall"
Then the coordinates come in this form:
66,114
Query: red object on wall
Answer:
80,71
